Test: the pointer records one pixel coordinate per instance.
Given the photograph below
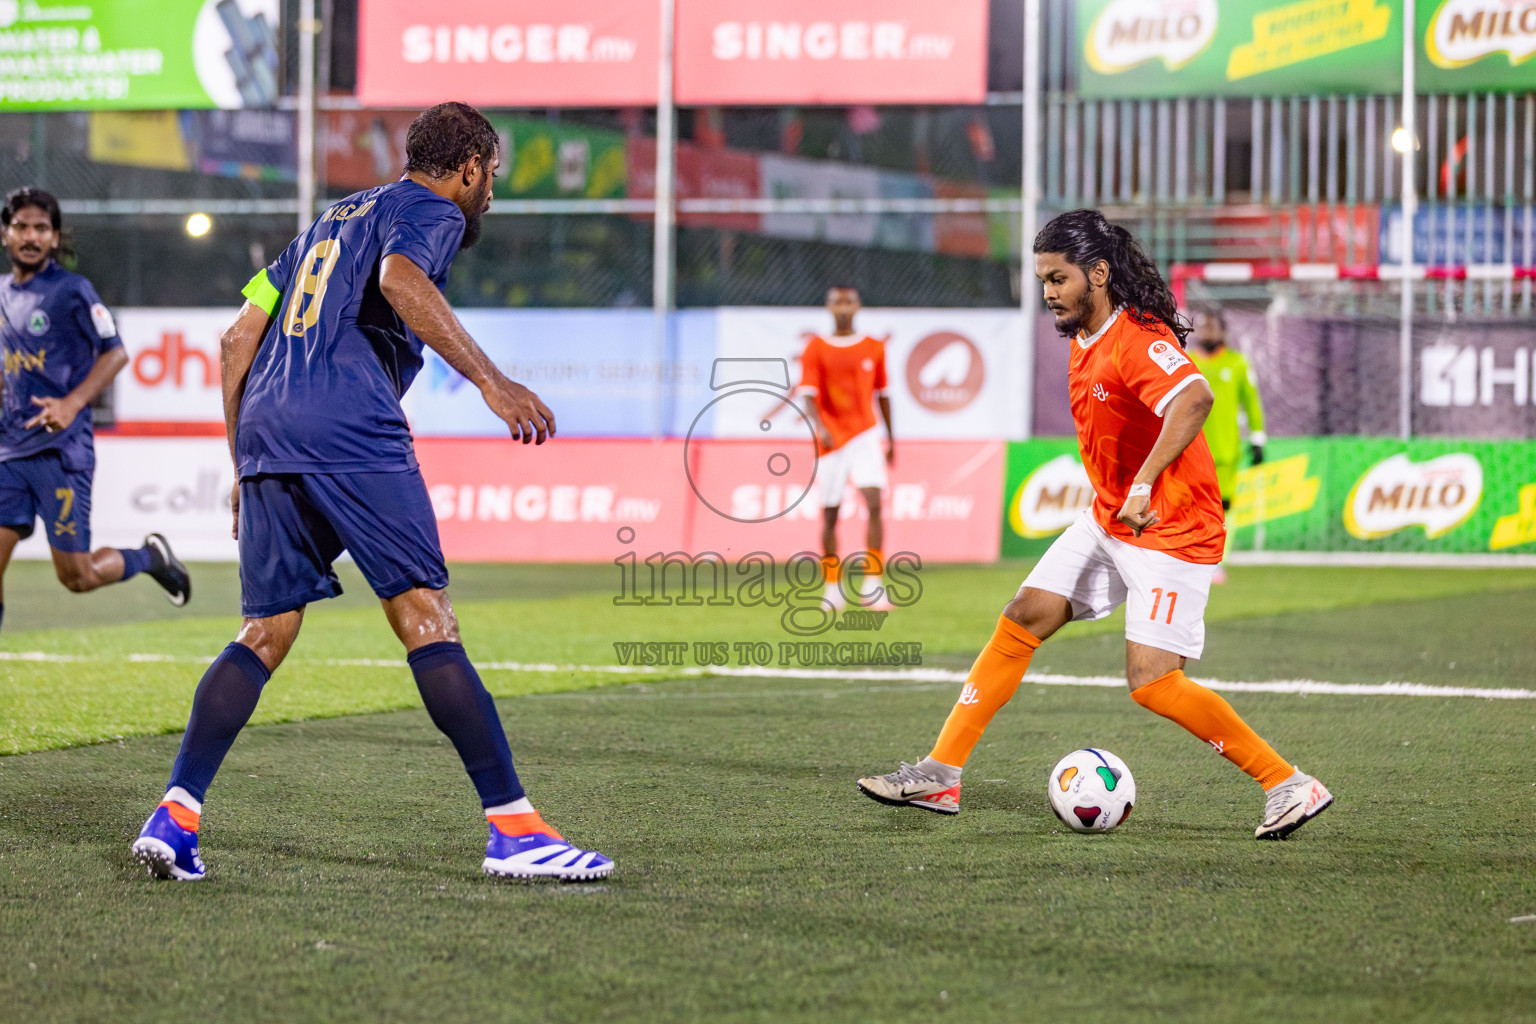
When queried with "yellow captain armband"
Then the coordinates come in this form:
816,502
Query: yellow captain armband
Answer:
261,293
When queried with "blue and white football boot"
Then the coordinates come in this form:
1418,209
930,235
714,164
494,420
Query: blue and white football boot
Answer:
167,848
539,853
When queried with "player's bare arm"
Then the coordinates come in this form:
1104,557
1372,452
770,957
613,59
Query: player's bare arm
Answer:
884,401
812,416
1182,422
58,413
237,351
413,295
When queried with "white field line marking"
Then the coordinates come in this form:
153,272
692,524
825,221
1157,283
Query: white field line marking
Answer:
904,675
1381,560
1523,919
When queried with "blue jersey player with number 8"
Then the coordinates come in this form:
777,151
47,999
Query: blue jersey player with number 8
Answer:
327,342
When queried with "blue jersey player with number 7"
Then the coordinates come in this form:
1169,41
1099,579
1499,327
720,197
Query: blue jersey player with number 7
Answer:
61,350
328,340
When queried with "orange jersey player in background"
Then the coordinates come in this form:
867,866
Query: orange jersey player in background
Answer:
1151,541
843,377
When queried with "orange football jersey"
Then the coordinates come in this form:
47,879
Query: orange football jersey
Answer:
1120,381
844,374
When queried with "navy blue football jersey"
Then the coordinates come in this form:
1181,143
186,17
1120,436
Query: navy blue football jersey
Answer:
54,328
324,392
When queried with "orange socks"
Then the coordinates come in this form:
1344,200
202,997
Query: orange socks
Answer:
992,682
831,568
1211,718
999,669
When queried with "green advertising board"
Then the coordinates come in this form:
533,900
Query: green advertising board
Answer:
1320,494
1144,49
1473,45
1045,488
550,160
138,54
1161,48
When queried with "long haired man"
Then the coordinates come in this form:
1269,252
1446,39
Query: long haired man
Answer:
1151,541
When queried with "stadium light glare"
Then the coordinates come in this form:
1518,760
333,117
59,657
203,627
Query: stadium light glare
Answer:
1400,140
199,224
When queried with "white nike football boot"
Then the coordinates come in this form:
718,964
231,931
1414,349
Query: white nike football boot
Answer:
910,786
1291,805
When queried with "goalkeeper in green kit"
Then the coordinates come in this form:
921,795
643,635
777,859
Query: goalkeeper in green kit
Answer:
1231,381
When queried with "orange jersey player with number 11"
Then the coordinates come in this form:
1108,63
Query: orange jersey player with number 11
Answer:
1151,540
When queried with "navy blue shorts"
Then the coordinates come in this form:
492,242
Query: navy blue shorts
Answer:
41,486
293,526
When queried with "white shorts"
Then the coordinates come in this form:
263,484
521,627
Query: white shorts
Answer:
1164,597
861,462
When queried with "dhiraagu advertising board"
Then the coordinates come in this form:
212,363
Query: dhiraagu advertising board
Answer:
137,54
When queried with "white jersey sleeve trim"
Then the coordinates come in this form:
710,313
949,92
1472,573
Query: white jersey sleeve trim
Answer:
102,320
1162,403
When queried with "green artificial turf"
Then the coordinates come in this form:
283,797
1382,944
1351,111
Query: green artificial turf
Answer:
565,616
753,882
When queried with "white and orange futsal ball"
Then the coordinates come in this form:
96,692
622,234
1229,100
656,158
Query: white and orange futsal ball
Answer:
1091,790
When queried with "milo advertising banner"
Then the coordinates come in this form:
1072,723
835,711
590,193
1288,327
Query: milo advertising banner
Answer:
1046,488
549,160
137,54
1467,45
1142,49
1320,494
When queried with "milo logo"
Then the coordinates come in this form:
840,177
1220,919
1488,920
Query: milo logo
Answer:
1463,31
1394,494
1129,32
1050,498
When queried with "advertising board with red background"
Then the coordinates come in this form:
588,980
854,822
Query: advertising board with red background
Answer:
848,51
520,53
508,53
591,500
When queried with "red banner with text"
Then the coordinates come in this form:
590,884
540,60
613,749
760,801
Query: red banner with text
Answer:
592,501
508,53
830,51
521,53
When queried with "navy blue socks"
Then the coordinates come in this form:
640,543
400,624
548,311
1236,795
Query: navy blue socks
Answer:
137,560
464,711
222,705
450,688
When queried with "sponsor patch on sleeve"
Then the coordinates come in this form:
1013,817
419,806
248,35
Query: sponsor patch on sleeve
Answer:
102,320
1167,356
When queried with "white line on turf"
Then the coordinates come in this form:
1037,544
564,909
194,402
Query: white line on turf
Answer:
1523,919
903,675
1381,560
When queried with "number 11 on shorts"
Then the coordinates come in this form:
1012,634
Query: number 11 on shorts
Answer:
1173,599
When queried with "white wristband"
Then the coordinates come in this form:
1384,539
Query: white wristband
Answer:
1140,491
